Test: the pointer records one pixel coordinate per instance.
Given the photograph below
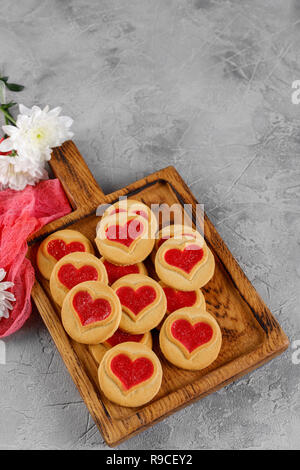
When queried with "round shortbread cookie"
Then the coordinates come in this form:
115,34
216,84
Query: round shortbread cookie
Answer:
143,303
190,338
124,239
130,374
73,269
91,312
184,264
60,244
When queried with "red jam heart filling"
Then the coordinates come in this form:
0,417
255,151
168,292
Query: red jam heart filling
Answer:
122,337
136,300
70,276
178,299
89,310
114,272
131,373
186,259
125,234
58,248
142,214
191,336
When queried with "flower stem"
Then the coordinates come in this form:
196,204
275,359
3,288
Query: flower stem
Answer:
8,116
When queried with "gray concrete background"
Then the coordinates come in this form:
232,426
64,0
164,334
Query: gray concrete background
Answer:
204,85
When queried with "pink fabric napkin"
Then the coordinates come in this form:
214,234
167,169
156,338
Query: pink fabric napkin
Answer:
21,214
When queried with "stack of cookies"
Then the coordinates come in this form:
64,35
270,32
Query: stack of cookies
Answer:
112,305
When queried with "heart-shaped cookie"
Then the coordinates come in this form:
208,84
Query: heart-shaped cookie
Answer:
130,374
58,245
143,303
72,270
190,338
124,238
91,312
184,264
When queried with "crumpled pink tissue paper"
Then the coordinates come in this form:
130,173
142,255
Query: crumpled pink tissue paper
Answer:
21,214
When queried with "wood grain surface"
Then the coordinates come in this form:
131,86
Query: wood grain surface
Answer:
251,335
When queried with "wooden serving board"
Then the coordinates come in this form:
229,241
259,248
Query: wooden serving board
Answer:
251,335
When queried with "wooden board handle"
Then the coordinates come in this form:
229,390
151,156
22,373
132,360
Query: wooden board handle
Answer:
78,182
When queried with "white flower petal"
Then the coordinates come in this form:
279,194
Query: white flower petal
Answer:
66,120
37,132
10,296
21,122
4,313
9,130
5,297
55,112
6,285
17,172
24,110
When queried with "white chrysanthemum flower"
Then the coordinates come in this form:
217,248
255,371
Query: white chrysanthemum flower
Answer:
16,172
36,132
5,297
